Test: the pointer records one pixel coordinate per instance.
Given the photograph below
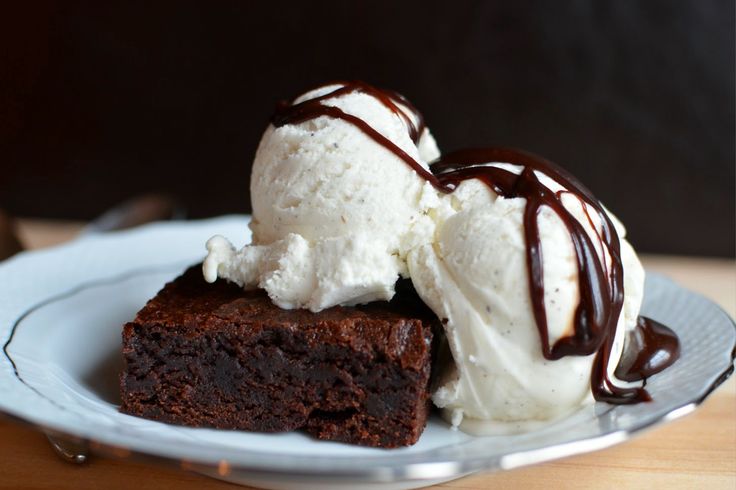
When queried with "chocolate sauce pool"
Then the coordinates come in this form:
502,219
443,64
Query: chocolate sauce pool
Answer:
650,346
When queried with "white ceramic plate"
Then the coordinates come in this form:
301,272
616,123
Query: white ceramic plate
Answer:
61,312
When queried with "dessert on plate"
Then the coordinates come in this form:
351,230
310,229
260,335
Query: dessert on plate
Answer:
531,278
212,355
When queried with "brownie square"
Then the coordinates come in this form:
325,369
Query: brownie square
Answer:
213,355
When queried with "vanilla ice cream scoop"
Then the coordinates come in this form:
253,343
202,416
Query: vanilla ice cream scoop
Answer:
531,276
339,194
536,287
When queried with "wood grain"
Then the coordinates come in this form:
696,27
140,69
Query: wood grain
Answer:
698,451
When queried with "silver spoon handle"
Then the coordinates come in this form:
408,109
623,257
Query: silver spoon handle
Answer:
135,212
69,450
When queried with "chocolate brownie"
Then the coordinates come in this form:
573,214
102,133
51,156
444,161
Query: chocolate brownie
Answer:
213,355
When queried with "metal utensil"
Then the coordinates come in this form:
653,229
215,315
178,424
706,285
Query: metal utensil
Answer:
69,450
135,212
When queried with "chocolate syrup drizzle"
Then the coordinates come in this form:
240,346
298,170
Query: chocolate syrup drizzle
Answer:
289,113
651,346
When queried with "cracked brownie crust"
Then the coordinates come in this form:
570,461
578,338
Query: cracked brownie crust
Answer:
213,355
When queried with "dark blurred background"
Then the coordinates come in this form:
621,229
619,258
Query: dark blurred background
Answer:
101,101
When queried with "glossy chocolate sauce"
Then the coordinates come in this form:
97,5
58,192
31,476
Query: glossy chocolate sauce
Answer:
651,347
289,113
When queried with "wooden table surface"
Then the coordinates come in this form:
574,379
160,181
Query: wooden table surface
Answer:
698,451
